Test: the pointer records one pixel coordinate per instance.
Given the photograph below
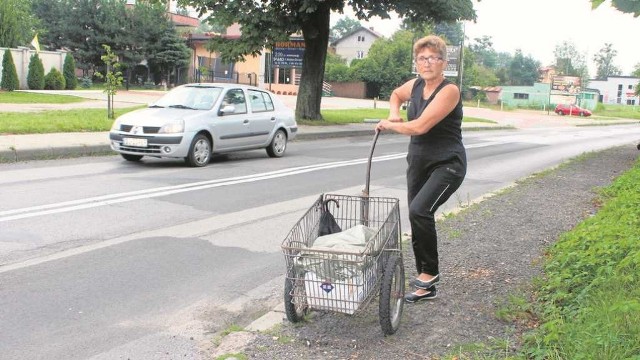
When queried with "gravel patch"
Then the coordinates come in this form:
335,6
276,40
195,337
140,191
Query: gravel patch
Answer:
489,251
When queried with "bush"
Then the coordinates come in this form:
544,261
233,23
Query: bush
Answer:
54,80
35,77
86,82
69,72
10,80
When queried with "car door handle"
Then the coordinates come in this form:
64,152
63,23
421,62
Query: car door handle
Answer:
246,121
273,118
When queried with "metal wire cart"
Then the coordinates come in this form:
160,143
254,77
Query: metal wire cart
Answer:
343,271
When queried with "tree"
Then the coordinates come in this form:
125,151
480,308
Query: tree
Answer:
626,6
265,22
484,53
112,76
604,62
172,53
16,23
636,71
569,61
69,72
35,77
523,71
344,26
10,80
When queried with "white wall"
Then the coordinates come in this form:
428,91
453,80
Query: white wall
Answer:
610,93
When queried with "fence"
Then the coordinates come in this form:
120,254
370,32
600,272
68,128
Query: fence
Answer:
22,57
227,77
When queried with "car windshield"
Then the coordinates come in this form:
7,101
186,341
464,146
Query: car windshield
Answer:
190,97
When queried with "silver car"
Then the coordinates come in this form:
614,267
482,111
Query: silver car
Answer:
194,121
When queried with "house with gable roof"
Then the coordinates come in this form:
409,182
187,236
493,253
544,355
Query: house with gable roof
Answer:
355,44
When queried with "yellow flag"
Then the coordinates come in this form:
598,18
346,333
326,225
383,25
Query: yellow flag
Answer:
35,43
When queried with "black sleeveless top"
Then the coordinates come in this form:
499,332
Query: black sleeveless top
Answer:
444,141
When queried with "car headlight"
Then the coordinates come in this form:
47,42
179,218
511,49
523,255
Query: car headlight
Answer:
172,127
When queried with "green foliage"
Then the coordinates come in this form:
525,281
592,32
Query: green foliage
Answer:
112,77
523,70
589,300
344,26
35,77
10,80
16,23
604,62
69,72
54,80
86,82
626,6
388,64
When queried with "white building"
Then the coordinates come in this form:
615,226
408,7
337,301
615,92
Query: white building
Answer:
355,44
617,90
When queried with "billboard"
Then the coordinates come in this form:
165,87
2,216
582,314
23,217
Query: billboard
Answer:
288,54
453,62
565,85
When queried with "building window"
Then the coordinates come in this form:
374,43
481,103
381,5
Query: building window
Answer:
360,38
521,96
630,87
360,54
284,76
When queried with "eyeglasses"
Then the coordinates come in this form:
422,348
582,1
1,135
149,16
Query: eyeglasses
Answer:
431,60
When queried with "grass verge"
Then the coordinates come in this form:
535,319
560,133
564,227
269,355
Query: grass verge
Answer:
589,300
17,97
85,120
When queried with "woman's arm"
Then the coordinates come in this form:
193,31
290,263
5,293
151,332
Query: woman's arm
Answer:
441,105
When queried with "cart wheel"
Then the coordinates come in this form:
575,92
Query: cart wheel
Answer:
391,295
295,299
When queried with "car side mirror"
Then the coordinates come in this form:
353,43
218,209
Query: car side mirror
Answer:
227,109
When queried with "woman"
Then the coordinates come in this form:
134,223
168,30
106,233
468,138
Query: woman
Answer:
436,159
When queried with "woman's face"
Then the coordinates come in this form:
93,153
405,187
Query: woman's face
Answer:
429,64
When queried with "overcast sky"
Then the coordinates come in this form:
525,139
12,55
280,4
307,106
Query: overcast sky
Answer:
537,26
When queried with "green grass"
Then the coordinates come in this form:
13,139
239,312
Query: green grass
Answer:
18,97
589,298
58,121
618,111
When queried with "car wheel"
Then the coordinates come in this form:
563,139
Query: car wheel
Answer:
130,157
560,113
278,144
199,152
581,113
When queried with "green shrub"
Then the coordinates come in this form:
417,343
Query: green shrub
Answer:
35,77
10,80
86,82
54,80
69,72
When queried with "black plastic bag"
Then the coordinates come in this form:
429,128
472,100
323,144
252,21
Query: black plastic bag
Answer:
328,224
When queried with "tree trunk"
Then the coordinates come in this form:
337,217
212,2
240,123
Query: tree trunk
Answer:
316,38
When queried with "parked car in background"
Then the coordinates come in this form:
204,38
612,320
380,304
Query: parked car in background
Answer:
569,109
194,121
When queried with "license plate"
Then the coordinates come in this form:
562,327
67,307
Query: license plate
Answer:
137,142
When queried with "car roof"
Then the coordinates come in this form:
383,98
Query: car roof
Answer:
223,85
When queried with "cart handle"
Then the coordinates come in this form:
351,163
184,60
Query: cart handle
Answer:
365,192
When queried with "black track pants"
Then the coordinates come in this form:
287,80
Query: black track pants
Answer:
429,185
